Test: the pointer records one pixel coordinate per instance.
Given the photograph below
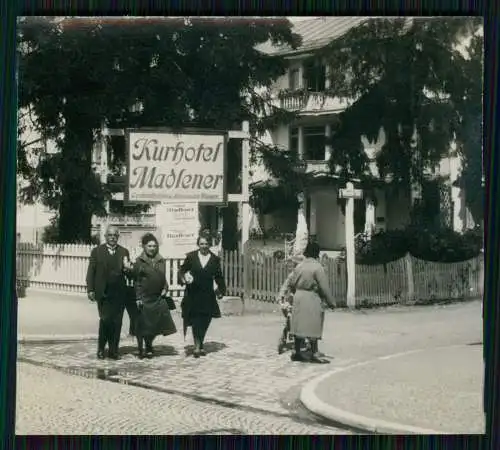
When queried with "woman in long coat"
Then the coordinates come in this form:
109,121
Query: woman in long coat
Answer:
151,288
199,306
311,294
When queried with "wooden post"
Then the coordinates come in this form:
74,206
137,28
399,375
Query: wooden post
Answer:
349,193
247,278
409,277
245,188
104,179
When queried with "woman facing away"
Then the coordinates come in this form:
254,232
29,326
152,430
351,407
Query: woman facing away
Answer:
151,288
309,285
198,273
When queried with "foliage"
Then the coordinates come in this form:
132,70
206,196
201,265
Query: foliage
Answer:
181,72
50,234
470,133
406,77
430,244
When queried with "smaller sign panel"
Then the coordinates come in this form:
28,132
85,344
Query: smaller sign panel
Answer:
178,228
351,193
168,167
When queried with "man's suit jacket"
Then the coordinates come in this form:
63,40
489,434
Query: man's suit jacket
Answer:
98,271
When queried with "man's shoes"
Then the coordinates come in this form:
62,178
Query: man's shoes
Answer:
100,354
203,352
114,355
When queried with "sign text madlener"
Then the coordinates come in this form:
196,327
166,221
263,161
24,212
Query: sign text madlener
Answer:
169,167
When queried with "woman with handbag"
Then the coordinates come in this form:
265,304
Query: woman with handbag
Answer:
199,272
153,303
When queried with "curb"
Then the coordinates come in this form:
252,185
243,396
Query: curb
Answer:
310,400
58,338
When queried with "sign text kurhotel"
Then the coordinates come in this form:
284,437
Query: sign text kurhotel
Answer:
169,167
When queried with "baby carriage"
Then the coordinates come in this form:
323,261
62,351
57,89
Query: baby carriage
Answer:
287,339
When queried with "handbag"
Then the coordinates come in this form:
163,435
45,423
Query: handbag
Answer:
170,302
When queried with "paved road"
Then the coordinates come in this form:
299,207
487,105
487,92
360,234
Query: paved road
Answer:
243,369
361,334
440,389
51,402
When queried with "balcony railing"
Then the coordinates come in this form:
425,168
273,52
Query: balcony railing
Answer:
306,101
293,102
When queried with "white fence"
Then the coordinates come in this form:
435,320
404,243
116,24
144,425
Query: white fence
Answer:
259,276
64,268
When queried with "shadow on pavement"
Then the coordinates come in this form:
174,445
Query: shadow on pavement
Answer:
159,350
217,431
210,347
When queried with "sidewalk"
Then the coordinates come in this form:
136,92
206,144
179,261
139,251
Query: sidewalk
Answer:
428,392
360,334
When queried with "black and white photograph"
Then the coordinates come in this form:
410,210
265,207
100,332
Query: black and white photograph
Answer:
250,225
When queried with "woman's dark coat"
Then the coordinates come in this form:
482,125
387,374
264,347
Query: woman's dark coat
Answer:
150,280
200,298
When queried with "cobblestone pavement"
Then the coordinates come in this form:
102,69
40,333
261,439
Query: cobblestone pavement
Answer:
364,334
233,372
52,402
242,370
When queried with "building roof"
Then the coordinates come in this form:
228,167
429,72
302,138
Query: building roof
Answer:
316,33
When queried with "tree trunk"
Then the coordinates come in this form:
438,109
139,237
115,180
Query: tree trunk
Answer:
230,227
77,181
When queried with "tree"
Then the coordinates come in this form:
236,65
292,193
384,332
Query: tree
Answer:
407,77
76,74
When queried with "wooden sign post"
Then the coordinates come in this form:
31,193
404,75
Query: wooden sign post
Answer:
350,194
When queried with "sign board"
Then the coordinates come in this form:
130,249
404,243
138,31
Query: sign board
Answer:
350,192
170,167
178,228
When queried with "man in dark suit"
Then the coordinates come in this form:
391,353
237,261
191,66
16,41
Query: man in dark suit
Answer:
107,286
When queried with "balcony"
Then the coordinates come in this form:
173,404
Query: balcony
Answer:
307,102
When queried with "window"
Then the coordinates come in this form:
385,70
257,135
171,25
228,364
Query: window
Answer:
314,76
314,143
294,140
293,79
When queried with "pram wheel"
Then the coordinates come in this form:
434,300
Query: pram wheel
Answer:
281,346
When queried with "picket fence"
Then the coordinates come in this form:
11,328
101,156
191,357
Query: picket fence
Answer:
259,276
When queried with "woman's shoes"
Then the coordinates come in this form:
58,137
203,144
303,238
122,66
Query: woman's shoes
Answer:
140,354
196,353
203,352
